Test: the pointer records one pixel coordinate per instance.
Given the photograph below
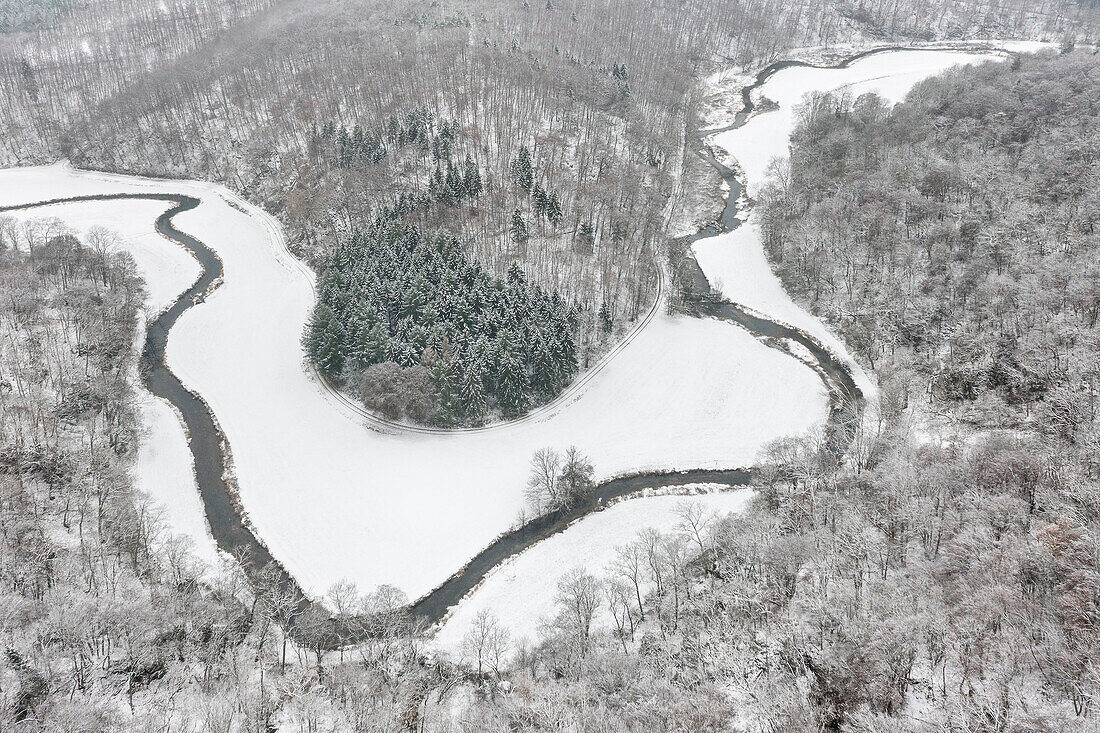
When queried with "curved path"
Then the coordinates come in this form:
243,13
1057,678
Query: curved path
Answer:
211,450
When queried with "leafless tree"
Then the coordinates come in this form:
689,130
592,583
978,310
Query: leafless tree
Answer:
578,600
486,643
542,484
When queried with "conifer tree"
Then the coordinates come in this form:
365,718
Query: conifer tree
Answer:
605,318
455,189
324,342
473,394
553,210
513,386
522,170
446,402
471,178
542,201
517,278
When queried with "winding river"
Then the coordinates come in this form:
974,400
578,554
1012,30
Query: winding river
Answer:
235,533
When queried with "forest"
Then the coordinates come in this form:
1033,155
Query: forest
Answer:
429,336
265,96
952,240
955,238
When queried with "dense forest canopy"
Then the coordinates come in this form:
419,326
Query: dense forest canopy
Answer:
952,569
432,337
960,227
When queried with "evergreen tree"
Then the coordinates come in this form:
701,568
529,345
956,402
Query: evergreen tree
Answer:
605,318
447,399
520,234
517,278
553,210
372,344
324,342
542,202
343,148
473,394
437,184
513,387
522,170
471,178
455,189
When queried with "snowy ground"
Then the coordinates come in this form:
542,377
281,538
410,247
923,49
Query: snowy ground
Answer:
736,260
520,593
336,499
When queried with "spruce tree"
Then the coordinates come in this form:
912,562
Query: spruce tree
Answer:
324,342
446,397
520,234
553,210
473,393
542,201
517,278
605,318
513,390
455,186
471,178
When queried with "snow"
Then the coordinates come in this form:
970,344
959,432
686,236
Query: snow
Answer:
736,259
165,470
520,593
335,497
167,270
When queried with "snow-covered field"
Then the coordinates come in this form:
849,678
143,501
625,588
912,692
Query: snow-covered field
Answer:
520,593
737,259
336,499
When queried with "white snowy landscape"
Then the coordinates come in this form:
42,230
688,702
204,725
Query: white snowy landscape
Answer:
528,367
336,498
520,593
